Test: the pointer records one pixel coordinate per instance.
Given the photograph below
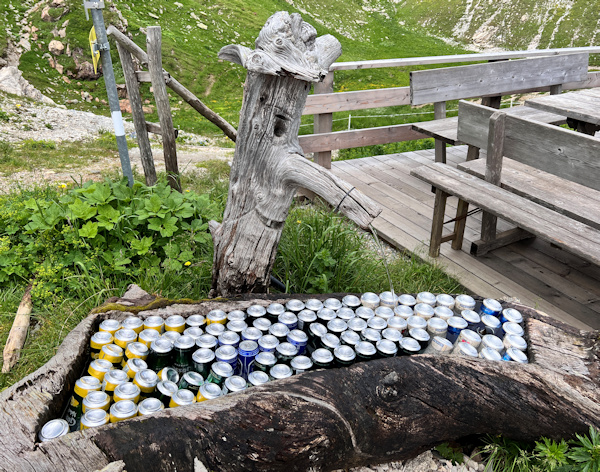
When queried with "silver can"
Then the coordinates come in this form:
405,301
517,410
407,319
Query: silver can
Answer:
437,327
256,311
207,341
337,326
356,324
407,300
149,406
258,378
301,364
351,301
305,318
364,312
289,319
268,343
404,311
424,310
370,300
512,328
377,323
215,329
53,429
237,326
490,354
326,314
470,337
515,355
512,315
388,299
236,315
350,338
313,304
195,321
346,314
465,350
391,334
384,312
515,341
492,342
263,324
426,297
439,346
251,334
445,300
295,306
464,302
234,384
194,332
333,304
443,313
416,322
280,371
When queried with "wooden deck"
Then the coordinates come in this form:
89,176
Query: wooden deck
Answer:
539,275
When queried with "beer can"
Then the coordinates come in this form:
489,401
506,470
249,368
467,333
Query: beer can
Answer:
426,297
202,360
263,324
110,326
305,318
168,373
464,302
343,356
470,337
112,353
439,345
384,312
280,331
424,311
273,311
391,334
219,371
407,300
492,342
171,336
94,418
386,348
148,336
216,316
350,338
512,315
421,336
264,361
371,335
490,354
256,311
295,306
236,326
191,381
229,338
112,380
404,312
329,341
234,384
123,410
195,321
443,313
388,299
370,300
289,319
472,318
377,323
236,315
416,322
127,391
146,380
512,328
315,331
182,398
300,364
285,352
365,351
96,400
299,339
155,322
351,301
515,355
346,314
124,336
251,334
322,358
259,377
325,315
99,367
134,323
135,350
280,371
164,391
53,429
150,405
313,304
160,355
209,391
194,332
333,304
83,386
455,325
490,307
98,341
183,349
247,352
356,324
465,350
207,341
398,323
364,313
437,327
445,300
409,346
175,323
267,343
227,354
515,341
490,325
337,326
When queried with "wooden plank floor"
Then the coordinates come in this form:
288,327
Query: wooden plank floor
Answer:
539,275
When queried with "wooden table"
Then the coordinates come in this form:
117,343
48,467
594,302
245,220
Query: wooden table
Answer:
582,108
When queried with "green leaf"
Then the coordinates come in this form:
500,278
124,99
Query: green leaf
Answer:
172,250
141,246
82,210
166,226
101,194
108,216
89,230
153,204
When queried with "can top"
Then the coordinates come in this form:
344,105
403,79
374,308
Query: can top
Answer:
235,383
424,310
419,334
268,341
441,344
184,342
391,334
94,417
350,337
490,354
464,302
216,315
457,322
294,305
437,324
301,363
443,312
115,376
146,377
154,321
123,408
364,312
513,328
193,378
175,320
471,337
275,309
297,336
351,301
490,320
356,324
346,313
371,334
266,358
97,397
102,337
471,316
54,429
492,305
195,321
384,312
332,304
162,345
256,311
207,341
229,338
344,353
102,365
370,299
512,315
226,353
337,326
407,299
286,349
279,330
388,298
377,323
466,349
167,387
211,391
132,322
517,355
127,389
149,334
137,348
322,356
426,297
404,311
258,377
417,322
326,314
150,405
183,397
110,325
168,373
330,340
193,331
387,347
280,371
287,318
307,316
445,300
489,340
237,326
236,315
172,335
262,323
113,350
365,348
251,334
222,369
215,329
248,348
313,304
317,329
516,341
410,344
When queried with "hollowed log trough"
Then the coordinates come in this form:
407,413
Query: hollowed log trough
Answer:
371,412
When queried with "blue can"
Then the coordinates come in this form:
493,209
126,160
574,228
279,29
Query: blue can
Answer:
299,339
289,319
227,354
472,318
512,315
268,343
490,307
246,354
455,325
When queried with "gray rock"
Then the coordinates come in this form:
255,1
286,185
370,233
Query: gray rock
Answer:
56,47
12,81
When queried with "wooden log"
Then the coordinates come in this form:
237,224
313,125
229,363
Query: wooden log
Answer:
154,43
378,411
18,332
268,165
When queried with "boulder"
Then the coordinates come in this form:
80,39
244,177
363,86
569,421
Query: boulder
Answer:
12,81
56,47
85,71
46,14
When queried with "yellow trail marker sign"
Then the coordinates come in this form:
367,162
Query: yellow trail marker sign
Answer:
95,53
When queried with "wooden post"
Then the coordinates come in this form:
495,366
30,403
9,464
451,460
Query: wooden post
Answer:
439,113
139,121
154,43
437,224
324,121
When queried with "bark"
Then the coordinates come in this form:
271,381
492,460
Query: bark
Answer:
18,332
269,166
372,412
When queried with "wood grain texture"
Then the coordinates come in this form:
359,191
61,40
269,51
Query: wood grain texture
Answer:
576,105
323,122
359,100
18,332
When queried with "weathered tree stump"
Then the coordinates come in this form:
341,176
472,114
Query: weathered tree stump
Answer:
370,412
268,165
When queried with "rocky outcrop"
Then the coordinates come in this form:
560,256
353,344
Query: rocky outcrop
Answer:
12,81
56,47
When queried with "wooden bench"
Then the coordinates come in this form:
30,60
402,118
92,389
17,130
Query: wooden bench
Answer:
542,178
490,81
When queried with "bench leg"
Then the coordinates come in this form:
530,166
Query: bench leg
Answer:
472,153
488,226
459,225
437,224
440,151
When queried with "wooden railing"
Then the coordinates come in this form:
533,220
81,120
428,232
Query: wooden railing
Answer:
324,102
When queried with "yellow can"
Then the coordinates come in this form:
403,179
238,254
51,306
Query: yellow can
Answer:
146,380
102,338
134,323
96,400
216,316
112,379
136,350
148,336
94,418
155,322
99,367
112,353
127,391
125,336
110,326
134,366
182,397
122,410
175,323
